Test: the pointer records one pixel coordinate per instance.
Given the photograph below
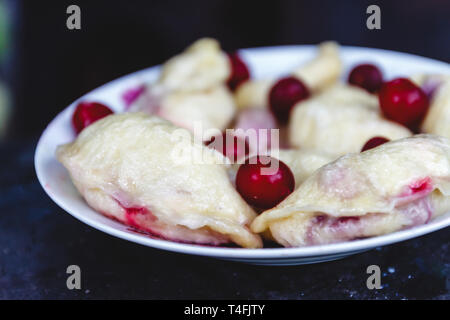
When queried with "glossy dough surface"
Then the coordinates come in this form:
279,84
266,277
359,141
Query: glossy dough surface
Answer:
339,121
191,90
130,167
397,185
303,162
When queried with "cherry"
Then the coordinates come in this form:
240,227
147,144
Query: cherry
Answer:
374,142
264,189
366,76
230,145
87,113
403,102
239,71
284,95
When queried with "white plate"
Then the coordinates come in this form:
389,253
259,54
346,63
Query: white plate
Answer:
273,61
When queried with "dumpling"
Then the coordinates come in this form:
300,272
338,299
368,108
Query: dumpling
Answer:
253,93
303,162
202,66
147,173
318,74
191,90
437,120
397,185
211,109
339,121
256,126
348,94
429,83
324,70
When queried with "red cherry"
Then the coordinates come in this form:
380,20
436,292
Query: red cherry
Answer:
404,102
87,113
284,95
239,71
264,189
230,145
366,76
374,142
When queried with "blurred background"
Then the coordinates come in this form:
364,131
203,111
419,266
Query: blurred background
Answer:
44,66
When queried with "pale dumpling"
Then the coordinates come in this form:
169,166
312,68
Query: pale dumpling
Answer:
191,90
397,185
429,82
202,66
339,121
211,109
253,94
342,93
319,73
149,174
324,70
437,120
303,162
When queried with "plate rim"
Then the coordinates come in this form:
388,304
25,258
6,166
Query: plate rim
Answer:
344,248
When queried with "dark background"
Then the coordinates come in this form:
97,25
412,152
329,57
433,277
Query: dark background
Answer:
48,66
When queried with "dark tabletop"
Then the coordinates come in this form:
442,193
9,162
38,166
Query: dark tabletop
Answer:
38,241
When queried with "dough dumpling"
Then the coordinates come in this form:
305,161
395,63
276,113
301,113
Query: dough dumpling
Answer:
303,162
324,70
191,90
437,120
340,121
133,167
202,66
211,109
397,185
318,74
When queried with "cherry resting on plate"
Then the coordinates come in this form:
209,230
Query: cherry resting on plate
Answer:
264,181
239,71
87,113
285,93
366,76
403,102
374,142
230,145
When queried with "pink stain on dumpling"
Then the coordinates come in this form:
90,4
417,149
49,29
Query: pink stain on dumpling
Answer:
326,229
143,99
342,182
132,94
418,211
431,84
143,220
132,213
421,186
262,122
414,205
415,190
133,218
